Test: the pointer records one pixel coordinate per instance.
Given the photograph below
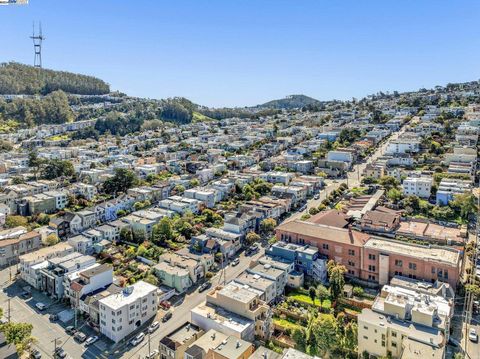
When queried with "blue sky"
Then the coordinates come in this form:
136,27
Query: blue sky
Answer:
245,52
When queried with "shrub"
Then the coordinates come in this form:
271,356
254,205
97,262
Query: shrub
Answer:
358,292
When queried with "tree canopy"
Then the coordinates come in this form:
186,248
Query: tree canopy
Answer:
120,182
16,78
51,109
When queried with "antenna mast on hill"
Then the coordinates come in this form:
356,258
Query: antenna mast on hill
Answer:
37,45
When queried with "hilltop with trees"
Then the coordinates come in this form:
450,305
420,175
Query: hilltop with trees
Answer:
19,79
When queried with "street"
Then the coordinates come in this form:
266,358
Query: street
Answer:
353,178
52,334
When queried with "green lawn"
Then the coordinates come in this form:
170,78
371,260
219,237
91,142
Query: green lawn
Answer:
198,117
305,298
285,323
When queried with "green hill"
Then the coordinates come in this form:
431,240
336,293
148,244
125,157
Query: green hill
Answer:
290,102
16,79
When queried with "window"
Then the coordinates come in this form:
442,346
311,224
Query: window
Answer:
394,334
365,337
371,268
398,263
433,270
352,264
371,277
351,252
383,343
398,273
325,246
412,266
445,274
113,313
372,257
119,328
351,272
365,327
394,344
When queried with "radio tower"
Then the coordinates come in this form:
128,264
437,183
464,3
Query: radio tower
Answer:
37,45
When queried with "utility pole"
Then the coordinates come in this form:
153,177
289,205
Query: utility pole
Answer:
8,309
149,345
54,347
468,303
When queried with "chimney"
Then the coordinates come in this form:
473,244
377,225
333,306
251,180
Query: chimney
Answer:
350,234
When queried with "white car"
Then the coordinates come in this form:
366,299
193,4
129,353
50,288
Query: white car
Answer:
138,339
41,306
472,335
154,326
91,340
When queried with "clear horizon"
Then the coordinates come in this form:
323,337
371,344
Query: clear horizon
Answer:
219,53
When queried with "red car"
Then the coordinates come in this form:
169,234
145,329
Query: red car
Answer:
165,304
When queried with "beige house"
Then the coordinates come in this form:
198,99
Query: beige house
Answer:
402,321
234,310
174,344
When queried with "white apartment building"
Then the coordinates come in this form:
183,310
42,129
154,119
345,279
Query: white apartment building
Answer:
417,186
60,198
123,313
277,177
404,321
31,263
409,145
342,156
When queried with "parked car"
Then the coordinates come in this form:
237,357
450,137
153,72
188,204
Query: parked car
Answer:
317,196
91,340
35,354
204,287
25,295
138,339
53,317
167,317
252,249
454,342
80,337
154,326
60,353
472,335
235,262
164,304
40,306
70,330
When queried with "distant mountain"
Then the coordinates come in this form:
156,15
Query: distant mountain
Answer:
289,103
19,79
